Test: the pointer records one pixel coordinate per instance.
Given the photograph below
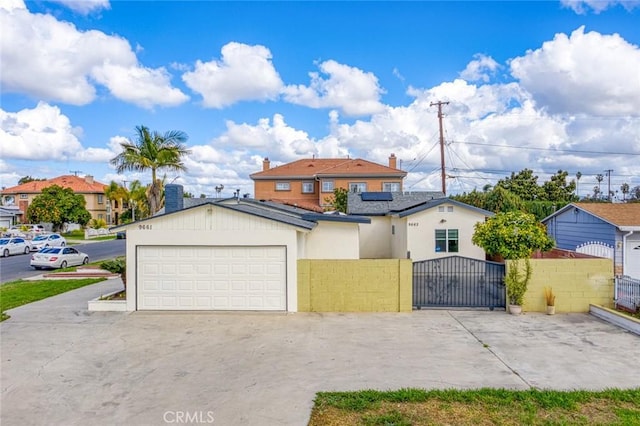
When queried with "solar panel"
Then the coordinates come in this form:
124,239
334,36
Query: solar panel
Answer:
376,196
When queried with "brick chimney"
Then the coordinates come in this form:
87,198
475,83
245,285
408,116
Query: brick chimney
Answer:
266,164
89,179
393,161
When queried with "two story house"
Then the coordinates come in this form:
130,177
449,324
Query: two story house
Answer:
309,183
93,192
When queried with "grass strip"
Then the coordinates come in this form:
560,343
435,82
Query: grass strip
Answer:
476,407
21,292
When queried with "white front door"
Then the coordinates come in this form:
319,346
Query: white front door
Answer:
211,278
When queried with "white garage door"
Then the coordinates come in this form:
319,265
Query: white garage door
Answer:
212,278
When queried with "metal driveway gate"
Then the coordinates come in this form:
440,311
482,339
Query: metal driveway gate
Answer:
458,281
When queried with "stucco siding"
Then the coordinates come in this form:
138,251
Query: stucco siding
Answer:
376,238
421,229
398,238
331,240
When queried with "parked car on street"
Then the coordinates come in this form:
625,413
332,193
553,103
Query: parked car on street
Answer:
17,245
47,240
25,229
58,257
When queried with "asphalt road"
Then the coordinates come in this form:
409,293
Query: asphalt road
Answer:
16,267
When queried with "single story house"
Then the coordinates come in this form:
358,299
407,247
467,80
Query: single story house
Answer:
9,216
610,230
229,254
419,226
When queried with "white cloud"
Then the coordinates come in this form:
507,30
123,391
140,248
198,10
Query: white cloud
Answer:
350,89
44,133
85,7
582,7
480,69
244,73
141,86
585,73
52,60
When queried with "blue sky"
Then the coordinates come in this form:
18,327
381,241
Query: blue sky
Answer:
544,85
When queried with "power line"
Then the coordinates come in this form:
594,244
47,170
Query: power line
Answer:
576,151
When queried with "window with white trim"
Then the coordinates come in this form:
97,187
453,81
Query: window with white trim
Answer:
327,186
391,187
100,198
307,187
357,187
447,241
283,186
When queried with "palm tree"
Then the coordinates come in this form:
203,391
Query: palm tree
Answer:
578,176
117,193
625,190
599,178
152,151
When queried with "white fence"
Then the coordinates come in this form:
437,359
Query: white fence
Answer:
93,233
627,293
596,248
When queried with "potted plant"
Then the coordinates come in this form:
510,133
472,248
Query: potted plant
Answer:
550,298
517,282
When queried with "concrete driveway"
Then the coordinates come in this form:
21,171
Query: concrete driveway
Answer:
64,365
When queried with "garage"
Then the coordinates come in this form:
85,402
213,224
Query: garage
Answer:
249,278
632,265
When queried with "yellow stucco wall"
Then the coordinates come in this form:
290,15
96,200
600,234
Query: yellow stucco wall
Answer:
365,285
575,282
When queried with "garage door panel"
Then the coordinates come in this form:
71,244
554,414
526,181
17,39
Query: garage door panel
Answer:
212,278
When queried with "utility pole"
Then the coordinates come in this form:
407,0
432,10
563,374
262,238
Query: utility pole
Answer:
608,172
442,172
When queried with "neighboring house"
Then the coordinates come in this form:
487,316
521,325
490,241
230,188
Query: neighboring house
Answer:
419,226
92,191
229,254
601,229
308,183
9,216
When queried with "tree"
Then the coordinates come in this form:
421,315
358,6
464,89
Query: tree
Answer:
578,176
117,193
512,235
57,206
599,178
339,199
625,190
153,151
27,179
557,188
502,200
524,184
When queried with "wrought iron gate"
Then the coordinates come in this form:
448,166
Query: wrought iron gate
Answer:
458,281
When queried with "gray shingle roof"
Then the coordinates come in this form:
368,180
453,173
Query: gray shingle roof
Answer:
401,201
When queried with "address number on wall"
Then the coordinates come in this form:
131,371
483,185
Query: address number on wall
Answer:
144,226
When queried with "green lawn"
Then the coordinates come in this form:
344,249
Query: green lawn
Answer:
21,292
477,407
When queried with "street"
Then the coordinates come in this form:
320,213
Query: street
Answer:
16,267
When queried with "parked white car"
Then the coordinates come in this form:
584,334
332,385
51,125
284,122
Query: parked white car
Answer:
17,245
58,257
47,240
25,229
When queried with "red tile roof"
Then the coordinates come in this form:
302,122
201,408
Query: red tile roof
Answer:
79,185
619,214
328,167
